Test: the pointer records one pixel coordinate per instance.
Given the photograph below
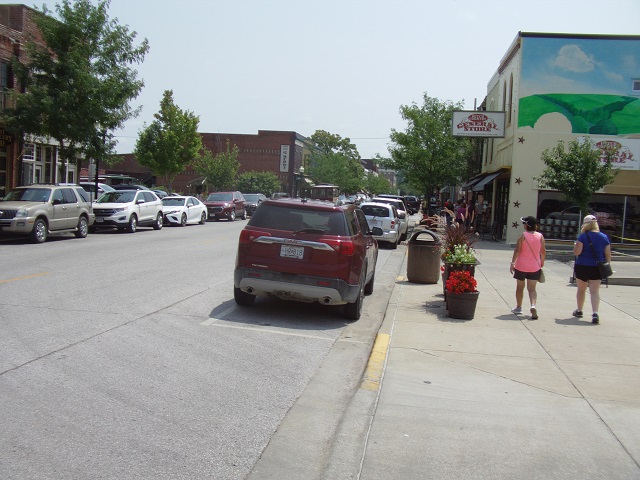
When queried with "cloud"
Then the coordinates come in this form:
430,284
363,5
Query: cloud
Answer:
573,58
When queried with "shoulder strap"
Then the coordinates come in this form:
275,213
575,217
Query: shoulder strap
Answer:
593,250
529,245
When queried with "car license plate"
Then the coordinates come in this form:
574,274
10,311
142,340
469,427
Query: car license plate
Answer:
99,219
291,252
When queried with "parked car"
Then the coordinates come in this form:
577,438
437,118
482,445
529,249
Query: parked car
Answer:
160,193
386,217
307,251
44,209
252,201
413,204
129,186
183,210
227,205
128,209
402,213
279,195
90,187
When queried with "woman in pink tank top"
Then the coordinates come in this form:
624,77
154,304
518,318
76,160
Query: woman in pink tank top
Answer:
526,264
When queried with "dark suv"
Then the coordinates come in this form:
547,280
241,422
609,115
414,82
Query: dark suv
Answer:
307,251
227,205
413,204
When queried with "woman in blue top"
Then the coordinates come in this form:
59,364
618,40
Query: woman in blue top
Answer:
592,246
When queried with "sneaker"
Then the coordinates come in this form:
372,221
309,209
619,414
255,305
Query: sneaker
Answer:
577,313
595,318
517,310
534,313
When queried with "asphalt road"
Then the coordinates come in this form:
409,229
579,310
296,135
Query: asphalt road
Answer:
125,356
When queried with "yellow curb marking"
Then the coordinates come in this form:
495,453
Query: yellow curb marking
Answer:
24,278
373,373
400,278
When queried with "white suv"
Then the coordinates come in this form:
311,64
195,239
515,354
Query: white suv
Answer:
387,218
128,209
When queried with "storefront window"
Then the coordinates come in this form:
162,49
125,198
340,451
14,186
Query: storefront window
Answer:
618,216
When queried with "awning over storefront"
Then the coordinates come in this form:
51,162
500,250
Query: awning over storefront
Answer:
472,182
479,186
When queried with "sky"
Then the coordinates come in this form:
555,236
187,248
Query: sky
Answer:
343,66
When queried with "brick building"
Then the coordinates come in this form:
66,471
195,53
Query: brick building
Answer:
22,163
280,152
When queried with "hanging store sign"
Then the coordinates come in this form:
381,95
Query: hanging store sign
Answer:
284,158
478,124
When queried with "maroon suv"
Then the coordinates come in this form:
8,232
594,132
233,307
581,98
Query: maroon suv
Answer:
307,251
227,205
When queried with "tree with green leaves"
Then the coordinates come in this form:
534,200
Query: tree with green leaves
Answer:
579,171
79,81
376,184
336,161
171,142
327,143
426,154
259,182
219,171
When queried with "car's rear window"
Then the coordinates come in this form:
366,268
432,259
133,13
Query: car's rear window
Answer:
294,219
375,211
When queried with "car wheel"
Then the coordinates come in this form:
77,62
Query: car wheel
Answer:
133,224
159,220
203,218
183,220
244,214
394,244
83,228
39,232
243,298
232,216
403,237
353,310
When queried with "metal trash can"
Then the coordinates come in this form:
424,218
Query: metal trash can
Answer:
423,261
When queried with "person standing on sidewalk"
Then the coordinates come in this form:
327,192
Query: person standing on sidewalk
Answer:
592,246
526,264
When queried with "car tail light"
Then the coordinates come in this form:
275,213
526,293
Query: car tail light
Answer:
248,235
393,224
343,247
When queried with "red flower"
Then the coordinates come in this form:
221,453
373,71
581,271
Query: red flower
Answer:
461,282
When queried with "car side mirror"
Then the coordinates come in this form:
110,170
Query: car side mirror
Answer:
377,231
57,201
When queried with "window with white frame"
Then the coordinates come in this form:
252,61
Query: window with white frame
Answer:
635,86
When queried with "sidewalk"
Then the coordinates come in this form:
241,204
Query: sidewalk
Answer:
503,396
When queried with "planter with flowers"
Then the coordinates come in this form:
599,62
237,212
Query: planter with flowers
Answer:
457,252
461,295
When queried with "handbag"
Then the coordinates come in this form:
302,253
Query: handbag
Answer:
604,267
541,279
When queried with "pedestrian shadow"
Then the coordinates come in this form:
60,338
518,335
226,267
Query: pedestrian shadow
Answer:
573,321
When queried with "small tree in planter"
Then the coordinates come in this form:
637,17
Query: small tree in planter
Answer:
457,250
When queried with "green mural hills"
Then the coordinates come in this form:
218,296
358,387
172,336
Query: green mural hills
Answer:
588,113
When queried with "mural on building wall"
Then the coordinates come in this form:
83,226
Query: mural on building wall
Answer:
589,81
